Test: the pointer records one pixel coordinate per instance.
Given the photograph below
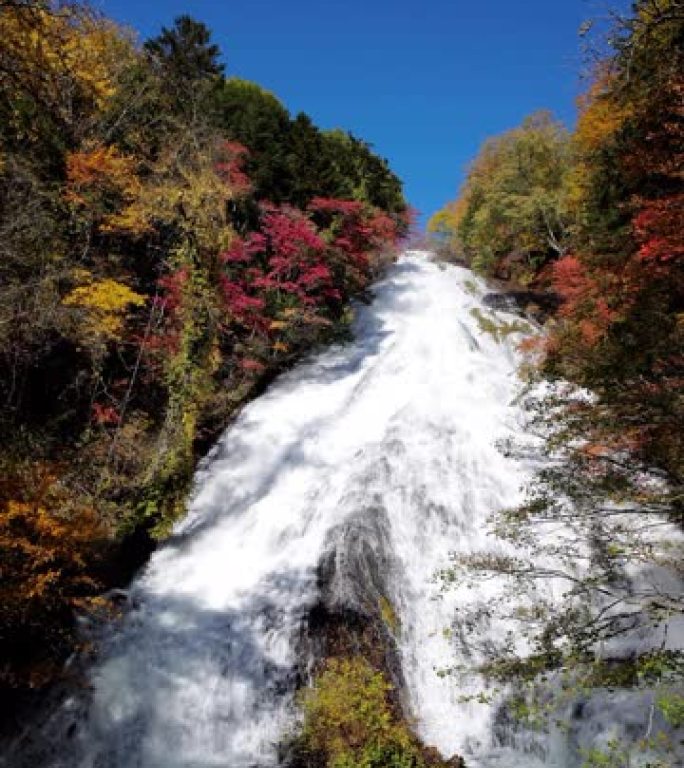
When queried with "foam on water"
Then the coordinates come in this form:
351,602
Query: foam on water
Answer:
202,670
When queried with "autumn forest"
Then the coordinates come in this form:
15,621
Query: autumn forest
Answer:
172,239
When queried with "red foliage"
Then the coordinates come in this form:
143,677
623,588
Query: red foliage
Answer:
251,365
288,280
230,166
172,286
332,205
166,336
356,231
242,306
409,226
363,227
287,256
587,300
292,241
658,229
105,415
570,281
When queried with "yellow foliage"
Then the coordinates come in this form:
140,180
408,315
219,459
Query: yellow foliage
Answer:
445,223
104,181
91,57
600,116
130,220
105,303
57,54
279,346
181,188
184,189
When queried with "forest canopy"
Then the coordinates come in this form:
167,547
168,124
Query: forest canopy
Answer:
170,238
594,218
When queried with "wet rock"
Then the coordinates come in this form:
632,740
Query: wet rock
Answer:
503,302
538,306
354,582
354,618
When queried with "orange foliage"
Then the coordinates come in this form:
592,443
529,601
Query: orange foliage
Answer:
600,116
102,166
570,281
102,181
47,542
532,345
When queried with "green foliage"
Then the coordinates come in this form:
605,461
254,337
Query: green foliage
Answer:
389,616
292,161
350,722
513,205
123,190
615,756
362,175
185,51
672,707
526,711
609,199
188,64
499,330
257,119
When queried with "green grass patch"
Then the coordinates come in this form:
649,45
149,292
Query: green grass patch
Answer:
350,722
498,330
389,615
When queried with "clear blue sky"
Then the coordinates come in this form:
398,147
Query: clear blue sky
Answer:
424,81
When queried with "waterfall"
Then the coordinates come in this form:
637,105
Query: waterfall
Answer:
392,437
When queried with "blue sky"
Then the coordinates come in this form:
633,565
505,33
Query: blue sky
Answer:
424,81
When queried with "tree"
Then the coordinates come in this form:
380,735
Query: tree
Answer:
186,52
443,228
188,63
56,64
257,119
513,208
602,520
131,326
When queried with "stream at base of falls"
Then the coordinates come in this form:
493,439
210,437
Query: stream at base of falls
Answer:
388,442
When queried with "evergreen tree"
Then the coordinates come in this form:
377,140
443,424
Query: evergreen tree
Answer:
188,63
185,51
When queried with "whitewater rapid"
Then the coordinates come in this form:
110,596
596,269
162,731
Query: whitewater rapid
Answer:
402,423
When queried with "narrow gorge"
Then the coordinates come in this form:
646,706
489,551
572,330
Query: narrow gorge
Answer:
330,504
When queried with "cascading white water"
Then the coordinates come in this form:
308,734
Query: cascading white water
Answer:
408,417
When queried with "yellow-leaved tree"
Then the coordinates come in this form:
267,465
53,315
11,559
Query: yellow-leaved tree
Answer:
57,58
443,227
101,307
